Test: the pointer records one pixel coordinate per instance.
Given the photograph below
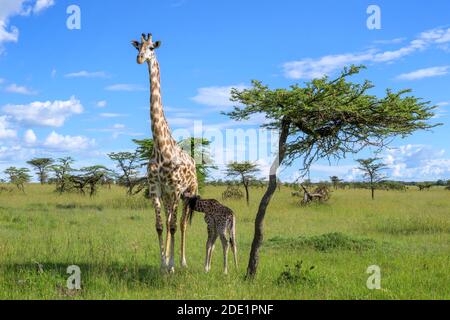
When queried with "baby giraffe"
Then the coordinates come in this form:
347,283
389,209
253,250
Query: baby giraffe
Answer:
219,219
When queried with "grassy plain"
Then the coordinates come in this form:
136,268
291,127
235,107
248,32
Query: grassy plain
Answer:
111,237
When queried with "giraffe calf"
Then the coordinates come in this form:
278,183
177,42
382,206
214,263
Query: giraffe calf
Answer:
220,220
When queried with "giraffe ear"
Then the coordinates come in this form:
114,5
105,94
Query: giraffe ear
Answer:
135,44
157,44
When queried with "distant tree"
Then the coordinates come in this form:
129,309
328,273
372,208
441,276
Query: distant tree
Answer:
62,171
424,185
245,172
325,119
198,148
91,177
144,149
128,164
18,177
335,181
41,166
372,171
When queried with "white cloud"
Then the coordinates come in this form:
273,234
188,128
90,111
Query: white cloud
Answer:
390,41
41,5
2,80
119,126
424,73
443,104
87,74
111,115
11,8
30,137
48,113
308,68
125,87
53,73
14,88
5,131
417,162
101,103
216,96
60,142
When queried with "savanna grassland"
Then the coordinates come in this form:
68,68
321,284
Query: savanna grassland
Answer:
111,237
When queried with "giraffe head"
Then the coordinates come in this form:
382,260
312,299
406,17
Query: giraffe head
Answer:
146,48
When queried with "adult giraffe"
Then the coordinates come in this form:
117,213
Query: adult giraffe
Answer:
171,171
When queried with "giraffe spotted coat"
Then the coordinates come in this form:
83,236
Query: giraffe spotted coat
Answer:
220,220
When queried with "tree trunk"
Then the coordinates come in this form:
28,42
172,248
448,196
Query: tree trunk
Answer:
259,221
372,187
247,197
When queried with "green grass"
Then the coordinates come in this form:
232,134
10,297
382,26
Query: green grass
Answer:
112,239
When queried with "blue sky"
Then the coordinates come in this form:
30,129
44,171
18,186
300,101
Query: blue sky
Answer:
81,93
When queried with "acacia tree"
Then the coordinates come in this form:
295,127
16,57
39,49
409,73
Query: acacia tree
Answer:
18,177
325,119
196,147
62,170
372,171
41,165
128,164
335,181
245,171
90,176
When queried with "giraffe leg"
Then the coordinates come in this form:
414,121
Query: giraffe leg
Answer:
167,243
183,224
173,230
233,240
224,241
159,230
211,250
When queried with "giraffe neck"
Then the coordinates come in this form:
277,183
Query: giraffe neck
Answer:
160,129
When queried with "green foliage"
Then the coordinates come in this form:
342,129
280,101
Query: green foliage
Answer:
42,166
330,118
299,275
18,177
198,148
244,171
128,165
62,172
325,242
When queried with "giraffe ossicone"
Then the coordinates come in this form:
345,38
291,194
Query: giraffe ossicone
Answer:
171,171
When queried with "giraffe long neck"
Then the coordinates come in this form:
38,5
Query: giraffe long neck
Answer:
160,129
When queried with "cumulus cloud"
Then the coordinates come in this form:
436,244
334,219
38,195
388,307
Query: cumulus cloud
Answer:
309,68
125,87
11,8
5,130
14,88
58,142
41,5
87,74
48,113
417,162
30,137
424,73
216,96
